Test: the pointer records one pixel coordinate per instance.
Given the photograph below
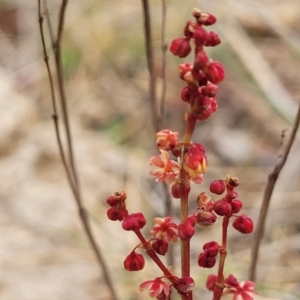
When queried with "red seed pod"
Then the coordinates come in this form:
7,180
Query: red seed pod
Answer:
215,72
181,47
210,282
134,262
243,224
206,261
222,208
160,246
236,206
217,187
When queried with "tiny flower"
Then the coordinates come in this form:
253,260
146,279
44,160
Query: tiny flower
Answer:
155,287
243,224
204,202
181,47
116,199
164,228
222,208
164,169
195,160
134,222
185,284
134,262
240,291
215,72
160,246
217,187
210,282
236,205
166,139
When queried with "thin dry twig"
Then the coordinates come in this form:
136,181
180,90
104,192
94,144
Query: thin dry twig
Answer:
272,178
68,160
156,117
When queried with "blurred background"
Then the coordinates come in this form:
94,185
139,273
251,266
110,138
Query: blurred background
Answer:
43,252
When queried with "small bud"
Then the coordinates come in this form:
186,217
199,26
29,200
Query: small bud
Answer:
210,90
206,218
185,94
179,191
201,61
200,36
206,19
134,262
212,248
181,47
206,261
243,224
215,72
217,187
236,206
116,215
160,246
186,230
212,39
211,281
134,222
222,208
189,29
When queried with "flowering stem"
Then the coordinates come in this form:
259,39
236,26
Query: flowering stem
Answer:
154,257
191,123
223,252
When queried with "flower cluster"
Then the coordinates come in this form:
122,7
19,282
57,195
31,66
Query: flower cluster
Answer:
180,163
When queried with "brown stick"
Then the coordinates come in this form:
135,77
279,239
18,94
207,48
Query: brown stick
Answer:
272,178
69,164
151,65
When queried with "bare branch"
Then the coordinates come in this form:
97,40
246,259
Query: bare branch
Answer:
69,164
151,65
272,178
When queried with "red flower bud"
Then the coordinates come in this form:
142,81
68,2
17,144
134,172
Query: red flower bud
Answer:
201,61
189,29
206,261
179,191
222,208
186,230
200,36
212,248
185,284
181,47
160,246
134,222
243,224
212,39
215,72
211,281
236,206
185,94
231,194
206,19
217,187
134,262
210,90
206,218
116,215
